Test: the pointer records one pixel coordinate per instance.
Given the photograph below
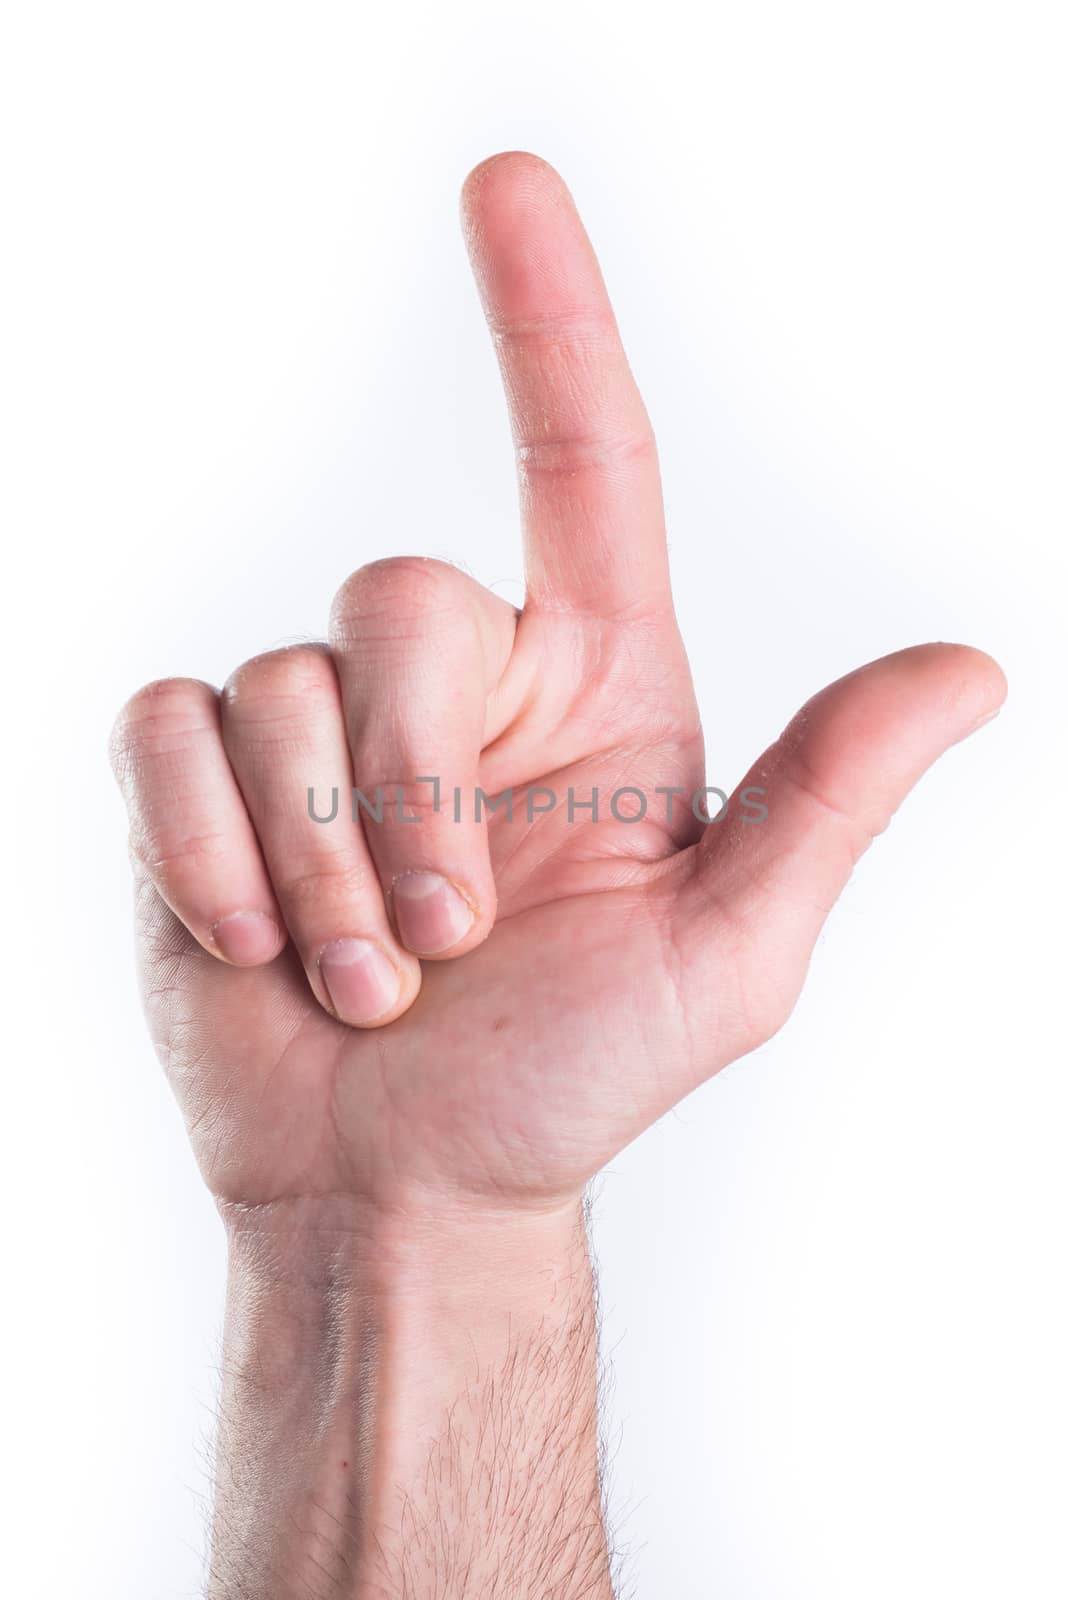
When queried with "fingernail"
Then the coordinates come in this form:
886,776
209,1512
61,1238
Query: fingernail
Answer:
431,914
247,937
980,722
361,981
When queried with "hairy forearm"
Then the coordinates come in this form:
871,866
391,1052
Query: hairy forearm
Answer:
409,1408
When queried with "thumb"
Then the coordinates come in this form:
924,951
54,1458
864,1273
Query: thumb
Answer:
830,784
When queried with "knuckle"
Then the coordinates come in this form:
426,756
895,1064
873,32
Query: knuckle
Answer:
173,860
395,800
588,335
309,886
162,718
279,683
387,595
854,832
586,447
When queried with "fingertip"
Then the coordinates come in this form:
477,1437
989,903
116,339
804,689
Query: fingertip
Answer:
961,686
510,170
364,986
533,261
975,682
247,938
986,678
526,242
988,689
434,916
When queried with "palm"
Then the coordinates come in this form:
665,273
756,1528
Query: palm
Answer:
623,961
442,1091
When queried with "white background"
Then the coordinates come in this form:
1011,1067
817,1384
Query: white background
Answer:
242,356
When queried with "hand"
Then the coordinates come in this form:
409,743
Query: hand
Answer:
485,1012
403,1047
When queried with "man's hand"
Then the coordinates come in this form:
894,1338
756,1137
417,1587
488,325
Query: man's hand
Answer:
417,1035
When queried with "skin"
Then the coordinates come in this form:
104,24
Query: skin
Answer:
447,1134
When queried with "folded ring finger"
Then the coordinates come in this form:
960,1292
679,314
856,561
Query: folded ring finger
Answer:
284,732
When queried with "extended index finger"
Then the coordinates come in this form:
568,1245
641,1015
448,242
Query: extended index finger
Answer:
593,517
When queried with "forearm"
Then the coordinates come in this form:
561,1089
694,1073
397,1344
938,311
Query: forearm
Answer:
409,1408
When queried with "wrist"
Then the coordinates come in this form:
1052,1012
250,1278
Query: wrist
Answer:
395,1371
415,1247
